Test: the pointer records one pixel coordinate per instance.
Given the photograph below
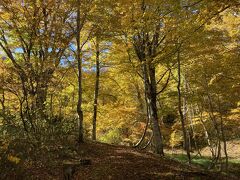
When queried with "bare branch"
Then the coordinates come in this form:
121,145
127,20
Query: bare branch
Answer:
166,84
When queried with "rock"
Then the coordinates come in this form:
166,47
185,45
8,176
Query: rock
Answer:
85,162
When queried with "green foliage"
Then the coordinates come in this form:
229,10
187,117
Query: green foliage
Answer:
112,137
202,161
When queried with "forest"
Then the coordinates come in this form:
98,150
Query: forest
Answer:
119,89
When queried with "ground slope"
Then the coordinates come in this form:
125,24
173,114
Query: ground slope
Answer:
107,162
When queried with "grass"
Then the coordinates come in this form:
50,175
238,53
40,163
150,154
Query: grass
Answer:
205,162
234,161
202,161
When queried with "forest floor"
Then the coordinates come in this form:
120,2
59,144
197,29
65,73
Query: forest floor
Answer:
204,161
107,162
233,149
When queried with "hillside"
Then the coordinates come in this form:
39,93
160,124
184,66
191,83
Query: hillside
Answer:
156,74
106,162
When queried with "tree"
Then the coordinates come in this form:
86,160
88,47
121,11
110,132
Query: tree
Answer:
35,49
83,8
185,134
96,90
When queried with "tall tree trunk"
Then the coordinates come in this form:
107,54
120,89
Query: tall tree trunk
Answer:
79,61
185,137
145,45
151,96
185,115
96,91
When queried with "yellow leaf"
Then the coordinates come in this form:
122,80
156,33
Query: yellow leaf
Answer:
13,159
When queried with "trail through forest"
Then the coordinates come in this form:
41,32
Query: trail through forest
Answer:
155,75
106,162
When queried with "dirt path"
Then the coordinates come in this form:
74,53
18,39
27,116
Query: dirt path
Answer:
110,162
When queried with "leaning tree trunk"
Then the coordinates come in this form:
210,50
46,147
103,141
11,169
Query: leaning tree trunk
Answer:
96,92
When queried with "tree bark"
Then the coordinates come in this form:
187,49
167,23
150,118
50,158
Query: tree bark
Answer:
185,137
79,61
151,97
96,91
